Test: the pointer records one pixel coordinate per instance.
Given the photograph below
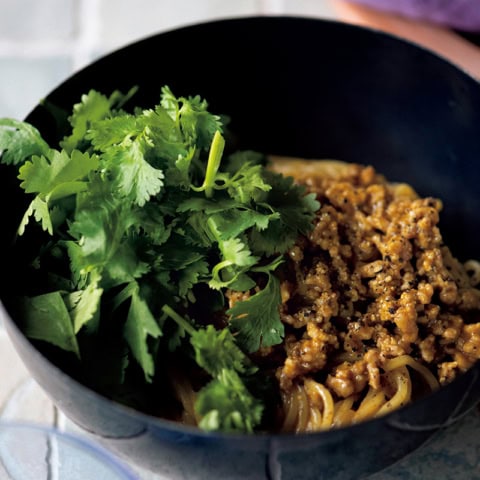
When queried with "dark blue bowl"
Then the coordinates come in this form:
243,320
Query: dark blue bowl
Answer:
308,88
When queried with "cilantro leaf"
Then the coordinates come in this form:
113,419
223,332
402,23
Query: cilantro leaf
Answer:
226,404
237,258
19,141
236,160
46,318
139,327
255,322
247,183
123,265
84,304
39,209
132,175
108,132
232,222
58,174
53,177
236,252
206,205
92,107
197,124
296,212
96,236
99,225
189,276
216,350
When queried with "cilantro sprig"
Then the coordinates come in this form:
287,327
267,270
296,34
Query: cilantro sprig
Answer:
144,214
225,403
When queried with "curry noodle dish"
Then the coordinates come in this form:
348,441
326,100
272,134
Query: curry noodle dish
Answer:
377,309
234,292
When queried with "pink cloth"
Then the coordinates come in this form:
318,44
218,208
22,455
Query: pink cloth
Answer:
459,14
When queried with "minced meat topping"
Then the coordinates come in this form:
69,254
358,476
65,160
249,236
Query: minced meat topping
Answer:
373,281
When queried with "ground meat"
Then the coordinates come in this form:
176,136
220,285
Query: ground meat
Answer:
371,282
308,354
349,378
234,296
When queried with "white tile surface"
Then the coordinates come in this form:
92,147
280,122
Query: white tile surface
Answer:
18,92
27,20
310,8
120,23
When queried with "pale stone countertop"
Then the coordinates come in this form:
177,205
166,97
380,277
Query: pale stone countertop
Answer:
454,454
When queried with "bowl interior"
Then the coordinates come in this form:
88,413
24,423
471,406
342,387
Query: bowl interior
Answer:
316,89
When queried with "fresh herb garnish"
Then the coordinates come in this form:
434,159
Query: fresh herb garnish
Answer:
224,403
153,218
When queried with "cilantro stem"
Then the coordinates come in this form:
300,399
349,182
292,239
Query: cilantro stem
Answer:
216,279
179,319
214,159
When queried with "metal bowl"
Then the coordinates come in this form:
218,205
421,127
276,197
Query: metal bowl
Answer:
308,88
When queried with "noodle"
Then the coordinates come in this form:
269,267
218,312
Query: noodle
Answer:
376,245
370,405
315,421
303,406
318,393
291,408
185,394
343,412
403,394
309,407
406,360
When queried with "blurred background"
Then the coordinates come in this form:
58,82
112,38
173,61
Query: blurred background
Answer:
43,42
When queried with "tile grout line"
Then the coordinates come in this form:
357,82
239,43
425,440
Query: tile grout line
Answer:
87,38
